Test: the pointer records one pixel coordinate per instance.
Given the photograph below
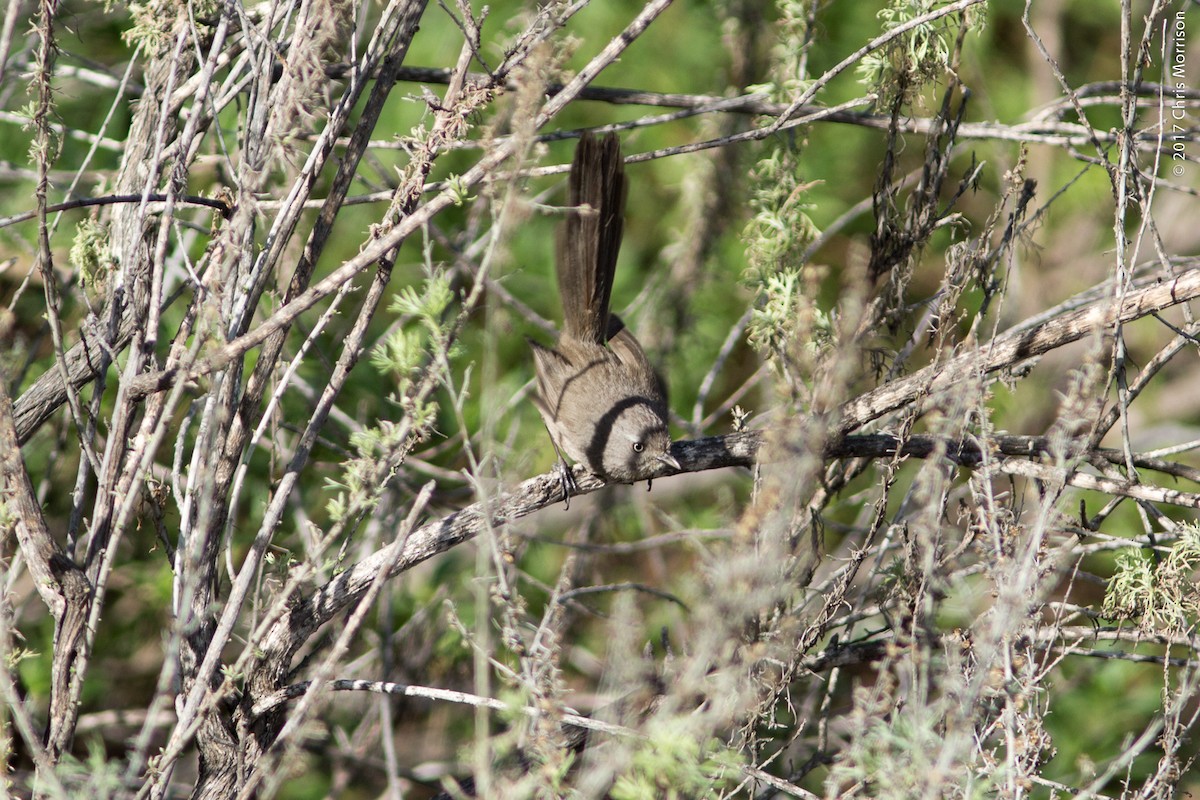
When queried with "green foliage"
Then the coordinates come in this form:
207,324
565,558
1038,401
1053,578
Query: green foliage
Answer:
671,763
776,238
919,56
92,778
780,229
401,354
153,21
780,321
404,352
150,29
1161,594
406,355
91,254
903,754
16,655
788,53
429,305
461,193
26,113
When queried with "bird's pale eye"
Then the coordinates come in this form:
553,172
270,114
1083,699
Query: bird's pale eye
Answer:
638,447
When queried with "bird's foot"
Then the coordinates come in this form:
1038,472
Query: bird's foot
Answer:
566,481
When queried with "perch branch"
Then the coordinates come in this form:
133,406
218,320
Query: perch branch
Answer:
742,449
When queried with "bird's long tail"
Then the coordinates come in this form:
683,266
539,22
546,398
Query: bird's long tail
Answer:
591,237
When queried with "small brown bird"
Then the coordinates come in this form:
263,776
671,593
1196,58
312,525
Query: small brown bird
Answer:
601,400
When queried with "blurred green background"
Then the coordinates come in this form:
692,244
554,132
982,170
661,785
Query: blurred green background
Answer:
682,324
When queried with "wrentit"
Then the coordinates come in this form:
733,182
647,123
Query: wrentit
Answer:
602,401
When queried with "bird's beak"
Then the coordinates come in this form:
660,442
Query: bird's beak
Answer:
669,460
